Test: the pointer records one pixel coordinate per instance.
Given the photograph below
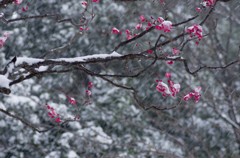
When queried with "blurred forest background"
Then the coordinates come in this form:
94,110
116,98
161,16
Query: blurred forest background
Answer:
111,123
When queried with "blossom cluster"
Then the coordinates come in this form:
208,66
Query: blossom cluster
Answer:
159,23
163,25
204,4
195,95
175,51
168,90
52,114
172,89
71,100
195,30
88,91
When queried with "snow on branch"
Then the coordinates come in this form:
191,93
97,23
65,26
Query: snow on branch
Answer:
34,66
31,61
23,68
4,84
4,81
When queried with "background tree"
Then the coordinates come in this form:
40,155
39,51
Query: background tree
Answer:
78,79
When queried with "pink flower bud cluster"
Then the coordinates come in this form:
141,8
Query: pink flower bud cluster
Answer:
195,30
52,114
160,24
172,89
168,90
195,95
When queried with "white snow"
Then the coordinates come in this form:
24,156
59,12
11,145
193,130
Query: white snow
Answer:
10,68
115,53
14,15
3,123
4,81
174,57
42,68
101,136
96,133
31,61
230,121
54,154
2,106
88,57
62,109
75,125
72,154
65,138
134,110
34,119
37,137
20,100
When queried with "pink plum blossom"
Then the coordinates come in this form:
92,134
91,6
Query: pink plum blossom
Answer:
84,4
115,31
18,2
195,95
